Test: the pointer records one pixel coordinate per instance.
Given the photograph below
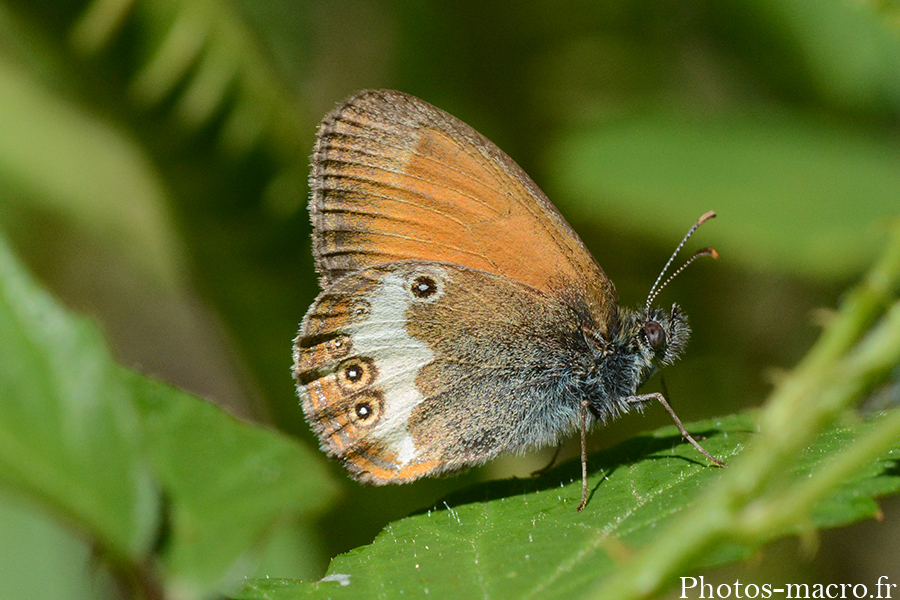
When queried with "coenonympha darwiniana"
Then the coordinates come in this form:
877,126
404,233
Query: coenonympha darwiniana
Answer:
461,316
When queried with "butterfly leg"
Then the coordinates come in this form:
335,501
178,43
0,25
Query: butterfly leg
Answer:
584,483
684,432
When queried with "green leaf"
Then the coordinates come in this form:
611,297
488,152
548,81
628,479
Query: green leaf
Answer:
229,485
524,539
43,559
795,193
69,433
100,446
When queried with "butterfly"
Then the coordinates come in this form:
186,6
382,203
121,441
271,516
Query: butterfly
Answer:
460,315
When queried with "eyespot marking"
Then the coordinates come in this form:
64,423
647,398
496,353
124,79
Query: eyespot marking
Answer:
360,310
367,408
423,287
363,410
356,374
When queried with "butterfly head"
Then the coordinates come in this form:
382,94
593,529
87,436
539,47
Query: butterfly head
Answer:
664,334
641,342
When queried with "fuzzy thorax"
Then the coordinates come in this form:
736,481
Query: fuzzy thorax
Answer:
639,342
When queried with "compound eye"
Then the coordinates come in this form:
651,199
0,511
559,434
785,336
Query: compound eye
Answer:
656,335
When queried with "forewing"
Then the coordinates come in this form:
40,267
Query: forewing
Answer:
394,179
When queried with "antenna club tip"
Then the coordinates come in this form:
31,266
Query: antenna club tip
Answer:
705,252
706,217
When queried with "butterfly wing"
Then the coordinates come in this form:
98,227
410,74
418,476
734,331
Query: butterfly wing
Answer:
413,368
394,178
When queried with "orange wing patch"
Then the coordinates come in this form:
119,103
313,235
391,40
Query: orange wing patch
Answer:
395,178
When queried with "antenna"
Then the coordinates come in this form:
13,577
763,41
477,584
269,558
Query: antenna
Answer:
657,287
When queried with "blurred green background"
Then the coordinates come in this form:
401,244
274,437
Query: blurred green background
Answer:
153,162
